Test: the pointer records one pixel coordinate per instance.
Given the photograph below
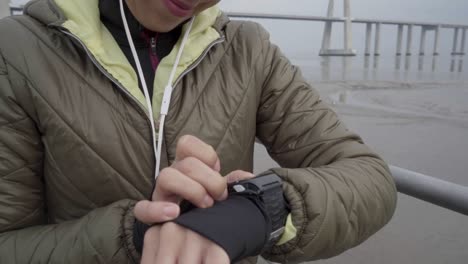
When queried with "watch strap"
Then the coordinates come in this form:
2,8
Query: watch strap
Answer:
277,210
268,189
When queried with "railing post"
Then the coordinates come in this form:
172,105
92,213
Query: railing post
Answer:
376,65
421,63
348,40
366,65
434,63
463,43
436,40
455,41
398,62
409,40
368,38
348,34
407,64
377,39
399,40
328,28
325,68
422,44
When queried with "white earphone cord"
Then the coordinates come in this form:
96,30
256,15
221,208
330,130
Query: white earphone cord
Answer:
167,90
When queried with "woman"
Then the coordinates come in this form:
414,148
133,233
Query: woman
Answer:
79,149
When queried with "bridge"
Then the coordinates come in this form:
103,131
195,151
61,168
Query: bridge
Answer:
348,21
459,31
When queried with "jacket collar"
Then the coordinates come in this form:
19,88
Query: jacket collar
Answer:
82,19
109,11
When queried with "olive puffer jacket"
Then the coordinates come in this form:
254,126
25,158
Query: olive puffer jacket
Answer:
75,139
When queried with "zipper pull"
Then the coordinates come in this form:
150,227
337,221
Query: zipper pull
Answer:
153,45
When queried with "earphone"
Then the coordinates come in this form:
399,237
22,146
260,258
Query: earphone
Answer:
167,90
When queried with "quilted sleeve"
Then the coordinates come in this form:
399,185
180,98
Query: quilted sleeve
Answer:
102,236
340,191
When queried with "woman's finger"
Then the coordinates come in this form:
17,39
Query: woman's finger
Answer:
172,237
150,245
211,180
238,175
173,183
150,212
190,146
193,249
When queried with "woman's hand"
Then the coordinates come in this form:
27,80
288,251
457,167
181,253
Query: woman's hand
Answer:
173,244
195,177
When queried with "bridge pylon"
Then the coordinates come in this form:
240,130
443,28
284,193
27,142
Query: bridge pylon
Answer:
347,49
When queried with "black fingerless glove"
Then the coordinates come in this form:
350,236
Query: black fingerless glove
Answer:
239,225
139,230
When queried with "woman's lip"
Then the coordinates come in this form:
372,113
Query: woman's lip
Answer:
182,5
177,8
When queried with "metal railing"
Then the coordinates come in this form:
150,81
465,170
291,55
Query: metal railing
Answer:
459,42
439,192
340,19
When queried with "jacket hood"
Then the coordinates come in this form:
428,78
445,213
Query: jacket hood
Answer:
82,20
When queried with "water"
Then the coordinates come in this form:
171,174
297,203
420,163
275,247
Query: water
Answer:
414,112
382,68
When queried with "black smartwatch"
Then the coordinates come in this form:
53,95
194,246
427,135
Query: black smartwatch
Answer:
268,190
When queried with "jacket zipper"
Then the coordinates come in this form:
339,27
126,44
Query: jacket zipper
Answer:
107,74
153,51
153,45
199,60
117,83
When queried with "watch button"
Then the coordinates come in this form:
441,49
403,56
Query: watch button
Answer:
238,188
